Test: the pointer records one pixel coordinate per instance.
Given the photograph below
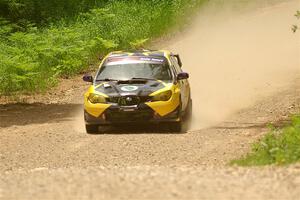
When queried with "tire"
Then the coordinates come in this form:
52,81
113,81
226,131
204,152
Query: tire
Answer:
186,120
189,112
176,127
188,116
92,129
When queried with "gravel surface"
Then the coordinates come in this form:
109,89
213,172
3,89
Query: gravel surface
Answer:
145,182
46,154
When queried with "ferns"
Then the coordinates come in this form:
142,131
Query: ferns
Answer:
32,60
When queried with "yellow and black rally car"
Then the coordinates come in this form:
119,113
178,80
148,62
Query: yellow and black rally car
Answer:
138,87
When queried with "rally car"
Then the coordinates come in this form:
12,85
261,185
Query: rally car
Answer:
138,87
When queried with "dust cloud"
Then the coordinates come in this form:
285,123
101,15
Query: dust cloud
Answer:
238,58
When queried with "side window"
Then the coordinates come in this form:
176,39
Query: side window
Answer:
176,65
172,67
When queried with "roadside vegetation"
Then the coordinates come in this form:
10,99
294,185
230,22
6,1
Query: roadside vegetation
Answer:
43,40
295,27
280,146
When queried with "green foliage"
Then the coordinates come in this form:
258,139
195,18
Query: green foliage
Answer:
41,11
295,27
280,146
32,58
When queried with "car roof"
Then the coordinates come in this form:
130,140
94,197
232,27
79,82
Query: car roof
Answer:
143,52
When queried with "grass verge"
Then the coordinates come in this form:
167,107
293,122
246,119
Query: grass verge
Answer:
280,146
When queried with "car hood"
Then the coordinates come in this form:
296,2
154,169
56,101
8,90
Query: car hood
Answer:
129,88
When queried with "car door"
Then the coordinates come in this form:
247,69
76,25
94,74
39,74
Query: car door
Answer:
183,84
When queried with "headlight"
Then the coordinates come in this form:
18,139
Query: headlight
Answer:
163,96
96,98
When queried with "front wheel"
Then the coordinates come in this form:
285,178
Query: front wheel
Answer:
185,123
176,127
188,115
92,129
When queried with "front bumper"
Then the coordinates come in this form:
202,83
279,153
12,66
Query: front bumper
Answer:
130,114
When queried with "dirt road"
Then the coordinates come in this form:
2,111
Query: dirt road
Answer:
245,70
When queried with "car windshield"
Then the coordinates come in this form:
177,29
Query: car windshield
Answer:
135,70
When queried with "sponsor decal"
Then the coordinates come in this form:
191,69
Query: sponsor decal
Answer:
151,59
129,88
128,59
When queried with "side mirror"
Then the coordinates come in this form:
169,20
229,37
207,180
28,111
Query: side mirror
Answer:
88,78
183,76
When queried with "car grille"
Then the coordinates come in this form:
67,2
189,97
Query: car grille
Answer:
135,116
129,100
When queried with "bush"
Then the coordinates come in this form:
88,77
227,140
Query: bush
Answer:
280,146
32,60
42,11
